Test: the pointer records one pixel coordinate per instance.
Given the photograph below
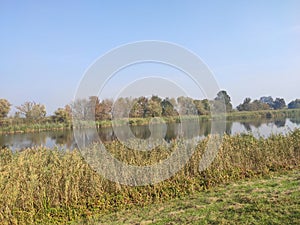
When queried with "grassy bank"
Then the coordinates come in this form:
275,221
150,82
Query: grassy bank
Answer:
265,114
273,199
32,128
46,186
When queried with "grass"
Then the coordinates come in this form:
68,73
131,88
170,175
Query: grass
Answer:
274,199
32,128
264,114
48,186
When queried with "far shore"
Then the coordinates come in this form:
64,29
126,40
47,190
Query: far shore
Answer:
12,128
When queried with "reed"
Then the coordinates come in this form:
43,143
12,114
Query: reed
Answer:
48,186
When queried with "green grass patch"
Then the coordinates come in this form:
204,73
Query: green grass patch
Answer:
268,200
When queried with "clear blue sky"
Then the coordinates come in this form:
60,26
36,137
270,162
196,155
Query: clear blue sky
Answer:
253,47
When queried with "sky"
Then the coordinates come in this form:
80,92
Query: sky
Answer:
252,47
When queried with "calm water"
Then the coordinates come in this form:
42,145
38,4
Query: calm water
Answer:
65,139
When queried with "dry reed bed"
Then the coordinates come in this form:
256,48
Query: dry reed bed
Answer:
41,185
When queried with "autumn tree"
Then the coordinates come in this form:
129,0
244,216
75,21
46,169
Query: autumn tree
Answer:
63,115
153,107
258,105
4,108
202,106
32,111
255,105
104,112
138,107
168,106
186,106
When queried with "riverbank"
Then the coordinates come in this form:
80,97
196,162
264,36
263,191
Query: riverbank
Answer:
264,114
232,116
272,199
48,186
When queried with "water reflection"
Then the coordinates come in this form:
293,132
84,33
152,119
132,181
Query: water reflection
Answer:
295,120
280,123
190,129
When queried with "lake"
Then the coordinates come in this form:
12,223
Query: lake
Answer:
65,140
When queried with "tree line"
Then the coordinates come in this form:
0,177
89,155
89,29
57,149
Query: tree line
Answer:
139,107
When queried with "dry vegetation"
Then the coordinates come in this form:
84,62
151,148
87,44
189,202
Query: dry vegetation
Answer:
46,186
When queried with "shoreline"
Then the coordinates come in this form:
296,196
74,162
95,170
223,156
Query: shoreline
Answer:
232,116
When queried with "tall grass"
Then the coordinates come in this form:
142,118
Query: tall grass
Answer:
46,186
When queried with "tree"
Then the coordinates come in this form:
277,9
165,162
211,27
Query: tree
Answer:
169,107
202,106
223,97
105,109
267,100
153,107
63,115
80,109
32,111
294,104
245,106
279,103
186,106
121,107
4,108
138,107
258,105
94,108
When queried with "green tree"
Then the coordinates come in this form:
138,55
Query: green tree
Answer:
294,104
267,100
223,97
245,106
206,105
279,103
4,108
